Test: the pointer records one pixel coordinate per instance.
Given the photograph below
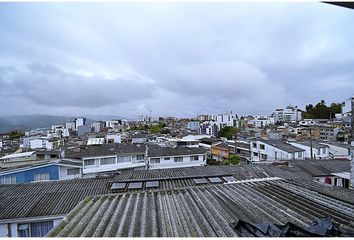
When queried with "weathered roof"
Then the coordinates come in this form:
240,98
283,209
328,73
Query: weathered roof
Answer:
105,150
222,145
337,144
282,145
52,198
203,211
184,177
315,145
18,155
157,151
321,167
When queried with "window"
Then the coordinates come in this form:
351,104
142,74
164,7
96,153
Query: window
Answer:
140,157
255,154
41,177
40,229
89,162
8,180
37,229
167,158
262,146
123,159
255,145
194,158
178,159
73,171
299,154
105,161
154,160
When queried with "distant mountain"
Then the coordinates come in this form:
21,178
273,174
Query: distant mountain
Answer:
28,122
105,117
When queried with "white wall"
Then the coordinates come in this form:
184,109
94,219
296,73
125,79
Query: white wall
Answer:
272,153
171,164
63,173
315,151
110,167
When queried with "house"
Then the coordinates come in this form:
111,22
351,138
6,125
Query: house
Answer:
338,150
273,150
113,138
60,169
32,209
329,172
220,151
192,201
138,138
167,157
242,149
319,151
109,157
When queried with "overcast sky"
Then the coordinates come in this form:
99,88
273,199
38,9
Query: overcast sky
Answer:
176,59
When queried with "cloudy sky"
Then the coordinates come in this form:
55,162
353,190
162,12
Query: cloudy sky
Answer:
176,59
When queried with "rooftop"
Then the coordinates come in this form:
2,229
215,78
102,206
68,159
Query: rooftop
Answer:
202,211
282,145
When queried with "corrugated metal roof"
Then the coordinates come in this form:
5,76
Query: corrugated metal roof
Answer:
203,211
46,198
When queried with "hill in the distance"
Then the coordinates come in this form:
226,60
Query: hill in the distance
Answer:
28,122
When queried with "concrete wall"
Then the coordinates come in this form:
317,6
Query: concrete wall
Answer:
169,163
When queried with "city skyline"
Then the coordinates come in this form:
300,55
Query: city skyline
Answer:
172,59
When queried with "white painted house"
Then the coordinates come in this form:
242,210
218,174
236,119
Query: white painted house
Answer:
110,157
167,157
319,151
274,150
338,150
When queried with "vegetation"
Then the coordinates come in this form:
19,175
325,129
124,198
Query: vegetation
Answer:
321,110
234,160
16,134
228,132
159,128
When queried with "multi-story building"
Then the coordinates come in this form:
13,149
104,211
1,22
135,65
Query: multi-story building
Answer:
328,133
81,121
209,128
261,121
289,114
193,126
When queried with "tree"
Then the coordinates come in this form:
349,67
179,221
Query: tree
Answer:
16,134
227,132
321,110
234,160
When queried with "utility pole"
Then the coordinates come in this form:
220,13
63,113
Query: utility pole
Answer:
311,142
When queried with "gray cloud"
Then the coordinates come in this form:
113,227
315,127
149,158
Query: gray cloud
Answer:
51,86
172,58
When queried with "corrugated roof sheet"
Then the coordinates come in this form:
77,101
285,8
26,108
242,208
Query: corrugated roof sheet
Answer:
203,211
46,198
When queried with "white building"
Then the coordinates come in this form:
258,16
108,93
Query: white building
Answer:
70,126
338,150
166,157
79,122
260,121
193,126
289,114
227,119
37,142
274,150
319,151
113,138
209,128
111,157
